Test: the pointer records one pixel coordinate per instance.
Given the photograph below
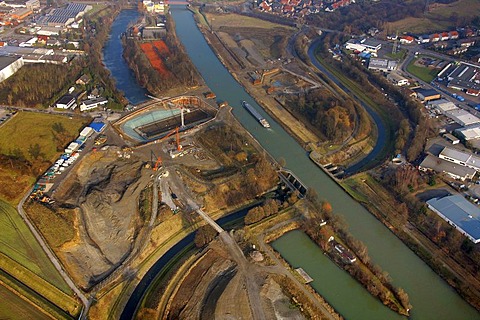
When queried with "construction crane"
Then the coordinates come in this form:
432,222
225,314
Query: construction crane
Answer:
170,105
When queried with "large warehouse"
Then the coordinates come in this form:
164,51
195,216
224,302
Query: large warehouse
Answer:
9,65
459,213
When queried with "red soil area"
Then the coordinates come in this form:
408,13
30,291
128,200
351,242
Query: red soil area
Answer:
155,52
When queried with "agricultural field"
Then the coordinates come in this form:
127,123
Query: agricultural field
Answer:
29,143
156,52
238,21
18,244
440,17
14,307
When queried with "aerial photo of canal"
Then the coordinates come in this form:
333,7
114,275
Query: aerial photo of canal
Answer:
431,297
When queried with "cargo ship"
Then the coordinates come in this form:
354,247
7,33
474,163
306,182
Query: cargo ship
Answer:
255,113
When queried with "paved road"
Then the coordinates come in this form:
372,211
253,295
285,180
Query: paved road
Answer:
52,257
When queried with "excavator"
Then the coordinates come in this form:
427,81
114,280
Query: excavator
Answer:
159,161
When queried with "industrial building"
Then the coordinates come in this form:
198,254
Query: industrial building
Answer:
361,45
384,65
462,117
66,16
464,76
9,65
397,79
443,166
462,158
92,103
469,132
66,102
459,213
426,95
442,105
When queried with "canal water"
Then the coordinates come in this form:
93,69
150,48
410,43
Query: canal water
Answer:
430,296
112,58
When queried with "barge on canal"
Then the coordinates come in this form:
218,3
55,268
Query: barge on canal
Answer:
255,113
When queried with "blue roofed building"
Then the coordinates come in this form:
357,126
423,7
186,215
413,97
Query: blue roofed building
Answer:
459,213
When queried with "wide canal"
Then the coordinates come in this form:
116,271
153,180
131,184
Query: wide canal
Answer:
430,296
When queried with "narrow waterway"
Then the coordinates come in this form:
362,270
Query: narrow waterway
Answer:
431,297
382,134
112,58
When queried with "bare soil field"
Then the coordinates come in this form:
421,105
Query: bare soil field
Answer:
105,188
214,289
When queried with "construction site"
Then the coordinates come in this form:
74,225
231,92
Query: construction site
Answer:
156,120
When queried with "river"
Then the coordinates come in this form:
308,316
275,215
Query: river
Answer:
112,58
430,296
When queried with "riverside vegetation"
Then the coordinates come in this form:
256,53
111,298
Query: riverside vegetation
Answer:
369,275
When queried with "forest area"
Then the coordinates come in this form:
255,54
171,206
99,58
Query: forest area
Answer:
330,118
38,85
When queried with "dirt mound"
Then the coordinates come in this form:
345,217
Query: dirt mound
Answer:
106,188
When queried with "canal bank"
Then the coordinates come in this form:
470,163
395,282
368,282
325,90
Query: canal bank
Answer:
431,297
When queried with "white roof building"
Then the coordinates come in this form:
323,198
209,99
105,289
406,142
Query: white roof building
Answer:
470,133
443,105
93,103
443,166
462,117
463,158
86,132
397,79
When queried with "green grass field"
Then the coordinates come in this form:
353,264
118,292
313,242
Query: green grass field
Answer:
22,131
423,73
18,243
14,307
28,128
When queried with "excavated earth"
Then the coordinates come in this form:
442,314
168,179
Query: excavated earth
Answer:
214,289
105,187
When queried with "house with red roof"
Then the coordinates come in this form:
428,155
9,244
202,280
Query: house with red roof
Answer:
453,35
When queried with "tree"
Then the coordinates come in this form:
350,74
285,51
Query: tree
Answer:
204,235
58,127
35,151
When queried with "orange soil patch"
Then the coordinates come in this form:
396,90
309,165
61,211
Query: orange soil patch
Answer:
155,51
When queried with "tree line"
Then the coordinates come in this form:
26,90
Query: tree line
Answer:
373,278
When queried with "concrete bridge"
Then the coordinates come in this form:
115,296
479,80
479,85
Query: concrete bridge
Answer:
292,182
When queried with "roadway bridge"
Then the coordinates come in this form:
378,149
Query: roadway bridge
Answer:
292,182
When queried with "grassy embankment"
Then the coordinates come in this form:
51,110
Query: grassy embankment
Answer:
26,269
21,256
438,18
424,73
359,93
